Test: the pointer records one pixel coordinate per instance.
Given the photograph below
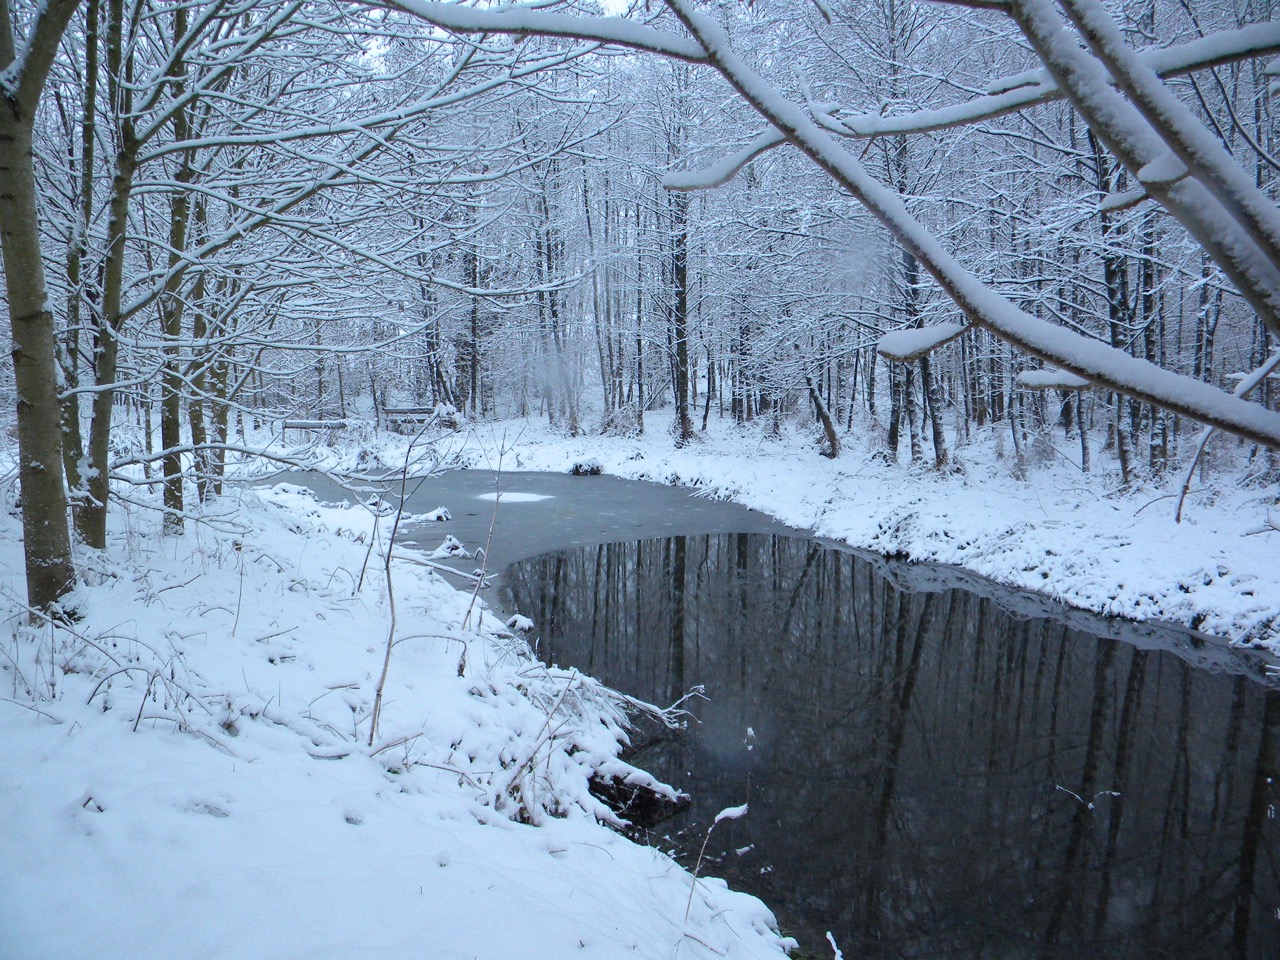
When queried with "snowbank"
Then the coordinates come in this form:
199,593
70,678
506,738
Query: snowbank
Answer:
187,770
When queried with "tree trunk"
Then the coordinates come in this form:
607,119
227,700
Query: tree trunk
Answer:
895,410
824,418
680,313
934,398
45,538
77,250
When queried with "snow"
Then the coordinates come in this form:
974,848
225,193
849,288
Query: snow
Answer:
1081,355
721,172
1163,170
904,345
451,546
731,813
1049,379
187,770
530,21
1018,91
1115,202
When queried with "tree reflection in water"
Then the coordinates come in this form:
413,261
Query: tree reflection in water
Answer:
931,776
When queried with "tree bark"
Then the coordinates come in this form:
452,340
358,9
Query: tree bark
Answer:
45,539
680,314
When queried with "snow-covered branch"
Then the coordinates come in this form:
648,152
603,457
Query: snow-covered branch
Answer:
1020,91
529,22
719,174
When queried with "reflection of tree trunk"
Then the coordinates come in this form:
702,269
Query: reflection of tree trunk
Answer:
1070,883
1261,805
1124,740
1222,794
899,707
1173,829
814,551
675,666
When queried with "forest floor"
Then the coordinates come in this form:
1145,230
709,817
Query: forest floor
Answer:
1082,539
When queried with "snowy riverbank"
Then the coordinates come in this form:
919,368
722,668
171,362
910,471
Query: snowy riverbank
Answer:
1055,530
187,770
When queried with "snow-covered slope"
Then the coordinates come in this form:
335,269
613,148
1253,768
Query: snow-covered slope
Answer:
187,770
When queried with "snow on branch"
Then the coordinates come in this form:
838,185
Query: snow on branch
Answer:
975,4
1116,202
718,174
903,346
526,22
1163,170
1193,148
1051,379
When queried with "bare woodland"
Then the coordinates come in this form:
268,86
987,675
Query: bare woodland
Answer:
219,214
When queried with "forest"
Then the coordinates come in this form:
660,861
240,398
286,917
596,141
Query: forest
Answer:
224,214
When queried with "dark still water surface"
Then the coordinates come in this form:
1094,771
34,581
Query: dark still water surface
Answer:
930,775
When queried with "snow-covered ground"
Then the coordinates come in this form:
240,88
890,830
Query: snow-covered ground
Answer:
1054,529
187,770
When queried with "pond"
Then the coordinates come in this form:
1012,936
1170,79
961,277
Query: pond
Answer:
930,770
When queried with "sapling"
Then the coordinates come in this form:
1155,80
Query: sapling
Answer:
391,596
488,542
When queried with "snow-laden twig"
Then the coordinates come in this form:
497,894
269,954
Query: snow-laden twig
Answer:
729,813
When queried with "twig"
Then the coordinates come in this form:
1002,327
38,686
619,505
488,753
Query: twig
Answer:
32,708
493,522
1242,390
479,580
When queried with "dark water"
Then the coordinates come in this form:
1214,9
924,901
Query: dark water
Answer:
931,773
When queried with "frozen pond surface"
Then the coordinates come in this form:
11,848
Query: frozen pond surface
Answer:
935,766
538,512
